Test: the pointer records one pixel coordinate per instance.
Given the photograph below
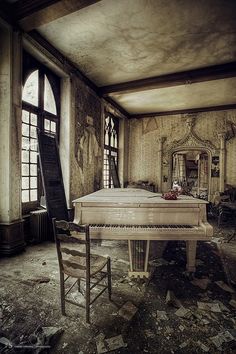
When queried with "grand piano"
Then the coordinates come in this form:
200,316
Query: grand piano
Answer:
140,216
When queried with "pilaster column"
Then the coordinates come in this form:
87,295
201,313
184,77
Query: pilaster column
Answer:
221,136
160,142
11,230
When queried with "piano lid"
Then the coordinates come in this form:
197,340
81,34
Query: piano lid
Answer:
134,196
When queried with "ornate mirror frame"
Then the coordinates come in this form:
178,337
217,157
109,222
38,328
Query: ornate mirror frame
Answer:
190,142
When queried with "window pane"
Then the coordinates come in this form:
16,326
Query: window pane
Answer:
33,144
25,143
25,196
33,119
25,116
25,182
33,132
25,129
30,90
25,169
49,100
53,127
33,170
47,124
33,182
33,195
33,157
25,156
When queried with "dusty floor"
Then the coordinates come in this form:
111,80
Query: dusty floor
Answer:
26,305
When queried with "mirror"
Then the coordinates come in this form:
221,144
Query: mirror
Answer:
190,172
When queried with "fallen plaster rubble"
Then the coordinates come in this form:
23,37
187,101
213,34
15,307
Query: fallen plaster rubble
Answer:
183,312
224,286
171,299
201,283
42,339
221,338
109,344
209,306
232,302
203,346
161,315
128,310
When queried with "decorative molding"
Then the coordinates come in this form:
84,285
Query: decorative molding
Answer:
191,139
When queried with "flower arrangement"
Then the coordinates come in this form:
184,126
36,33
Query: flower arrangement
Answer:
171,195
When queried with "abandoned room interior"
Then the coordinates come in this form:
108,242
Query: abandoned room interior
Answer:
118,176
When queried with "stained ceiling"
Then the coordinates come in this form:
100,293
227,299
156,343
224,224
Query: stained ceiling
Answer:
148,56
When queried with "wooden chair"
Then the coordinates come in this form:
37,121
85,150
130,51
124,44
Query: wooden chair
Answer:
79,264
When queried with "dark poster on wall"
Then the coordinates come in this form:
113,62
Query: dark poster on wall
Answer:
215,166
52,177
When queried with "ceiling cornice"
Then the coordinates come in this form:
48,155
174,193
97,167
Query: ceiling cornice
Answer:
215,72
116,105
40,12
184,111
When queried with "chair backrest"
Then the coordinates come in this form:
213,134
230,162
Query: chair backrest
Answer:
66,234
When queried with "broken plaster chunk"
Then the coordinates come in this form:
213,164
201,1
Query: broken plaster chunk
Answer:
161,315
203,346
232,302
224,286
6,342
128,310
110,344
183,312
184,344
222,337
201,283
208,306
171,299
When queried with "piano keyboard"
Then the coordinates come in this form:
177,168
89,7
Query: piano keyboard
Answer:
146,227
147,232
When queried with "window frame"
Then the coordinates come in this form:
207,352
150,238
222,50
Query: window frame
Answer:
110,150
30,65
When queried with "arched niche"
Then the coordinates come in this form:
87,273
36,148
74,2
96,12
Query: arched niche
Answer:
190,142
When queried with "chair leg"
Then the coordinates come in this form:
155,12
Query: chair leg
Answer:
87,299
62,291
109,277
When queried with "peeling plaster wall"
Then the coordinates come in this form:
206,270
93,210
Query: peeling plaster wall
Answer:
144,134
86,146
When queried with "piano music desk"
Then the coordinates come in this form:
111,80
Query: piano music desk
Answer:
140,216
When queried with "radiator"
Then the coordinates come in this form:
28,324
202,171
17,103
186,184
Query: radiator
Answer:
39,226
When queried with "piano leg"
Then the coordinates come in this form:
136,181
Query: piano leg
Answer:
191,247
138,258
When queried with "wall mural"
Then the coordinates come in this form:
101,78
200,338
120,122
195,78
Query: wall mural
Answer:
87,146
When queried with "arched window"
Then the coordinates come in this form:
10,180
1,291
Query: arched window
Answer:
111,132
39,111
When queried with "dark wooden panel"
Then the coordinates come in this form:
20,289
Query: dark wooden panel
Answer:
214,72
113,171
52,177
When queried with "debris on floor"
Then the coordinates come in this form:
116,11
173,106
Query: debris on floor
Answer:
128,310
171,299
224,286
169,313
109,344
201,283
